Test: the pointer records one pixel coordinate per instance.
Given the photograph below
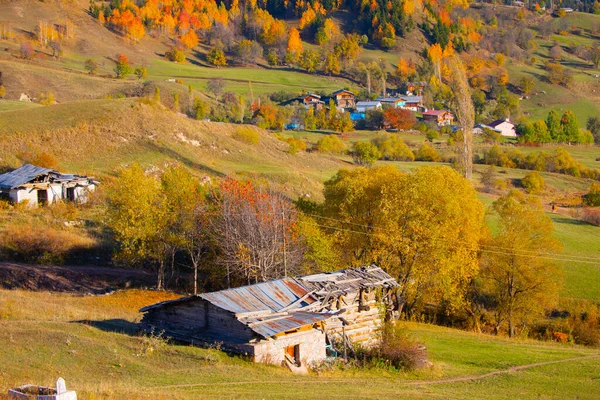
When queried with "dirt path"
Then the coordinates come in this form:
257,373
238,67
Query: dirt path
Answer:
79,279
457,379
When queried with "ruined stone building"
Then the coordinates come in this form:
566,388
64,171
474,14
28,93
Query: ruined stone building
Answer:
288,320
38,185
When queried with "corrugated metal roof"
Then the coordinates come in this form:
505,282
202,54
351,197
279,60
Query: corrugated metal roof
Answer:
272,326
412,99
272,296
20,176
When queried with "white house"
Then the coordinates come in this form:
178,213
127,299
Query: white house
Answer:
505,127
39,185
479,129
364,106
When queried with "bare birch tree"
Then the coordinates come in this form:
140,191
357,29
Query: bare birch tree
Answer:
257,233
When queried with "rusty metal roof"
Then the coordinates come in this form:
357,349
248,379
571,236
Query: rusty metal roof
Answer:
271,326
267,296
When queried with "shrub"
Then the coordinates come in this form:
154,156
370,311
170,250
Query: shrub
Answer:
47,98
295,145
393,148
175,54
141,72
365,153
533,182
397,350
216,57
427,153
91,66
331,144
43,159
591,216
592,198
246,135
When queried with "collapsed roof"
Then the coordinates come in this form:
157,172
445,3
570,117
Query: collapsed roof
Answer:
32,174
286,304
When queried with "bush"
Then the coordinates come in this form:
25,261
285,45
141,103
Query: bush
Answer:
331,144
365,153
397,351
427,153
592,198
295,145
216,57
533,182
393,148
43,159
175,54
247,135
591,216
47,98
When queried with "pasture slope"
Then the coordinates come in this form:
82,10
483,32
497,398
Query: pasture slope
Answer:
92,342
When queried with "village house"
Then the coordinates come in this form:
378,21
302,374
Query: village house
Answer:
480,128
416,87
393,102
344,99
313,100
413,103
293,321
505,127
364,106
440,117
39,185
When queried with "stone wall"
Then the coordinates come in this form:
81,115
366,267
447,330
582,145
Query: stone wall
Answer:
312,347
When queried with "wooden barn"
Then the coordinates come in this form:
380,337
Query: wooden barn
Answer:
288,320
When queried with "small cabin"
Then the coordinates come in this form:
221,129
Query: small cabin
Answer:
38,185
344,98
290,321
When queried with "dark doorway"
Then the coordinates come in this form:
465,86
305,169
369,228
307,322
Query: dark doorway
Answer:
71,194
42,196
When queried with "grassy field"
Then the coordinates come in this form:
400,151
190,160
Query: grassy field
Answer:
92,343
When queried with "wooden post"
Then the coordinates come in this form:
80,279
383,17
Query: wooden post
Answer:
344,339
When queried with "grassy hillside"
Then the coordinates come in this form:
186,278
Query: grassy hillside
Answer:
98,137
92,343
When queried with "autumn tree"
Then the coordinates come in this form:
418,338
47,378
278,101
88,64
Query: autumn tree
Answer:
187,219
517,273
399,118
91,66
189,39
365,153
136,218
294,47
256,233
465,114
332,64
122,67
216,57
248,51
423,228
526,84
141,72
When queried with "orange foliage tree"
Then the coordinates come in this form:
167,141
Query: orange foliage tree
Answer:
399,118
